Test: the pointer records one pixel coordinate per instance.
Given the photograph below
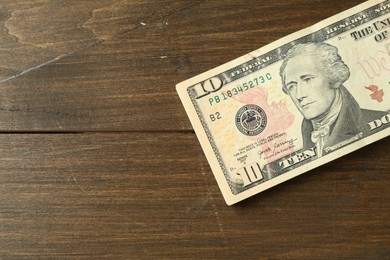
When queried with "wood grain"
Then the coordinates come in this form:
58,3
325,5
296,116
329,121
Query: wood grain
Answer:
140,195
118,62
99,160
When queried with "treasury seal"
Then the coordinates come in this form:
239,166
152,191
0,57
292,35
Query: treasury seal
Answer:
251,120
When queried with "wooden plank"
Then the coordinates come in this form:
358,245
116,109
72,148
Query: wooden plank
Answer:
110,65
113,65
152,195
33,33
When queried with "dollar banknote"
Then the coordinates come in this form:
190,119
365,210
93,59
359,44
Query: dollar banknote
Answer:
294,104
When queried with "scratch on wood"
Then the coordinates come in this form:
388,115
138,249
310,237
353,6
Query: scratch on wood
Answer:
58,124
217,216
33,68
78,185
45,63
158,13
199,205
100,39
220,226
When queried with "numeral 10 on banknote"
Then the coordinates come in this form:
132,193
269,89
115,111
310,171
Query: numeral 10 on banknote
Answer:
294,104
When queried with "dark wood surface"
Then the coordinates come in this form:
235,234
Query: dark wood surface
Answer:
99,160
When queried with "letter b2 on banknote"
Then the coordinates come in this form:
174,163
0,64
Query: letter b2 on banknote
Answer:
295,104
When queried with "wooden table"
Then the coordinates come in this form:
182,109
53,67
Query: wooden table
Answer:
99,160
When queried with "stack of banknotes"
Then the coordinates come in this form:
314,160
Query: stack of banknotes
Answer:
294,104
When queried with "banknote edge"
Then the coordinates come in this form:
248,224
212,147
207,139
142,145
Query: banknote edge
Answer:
233,199
268,47
181,88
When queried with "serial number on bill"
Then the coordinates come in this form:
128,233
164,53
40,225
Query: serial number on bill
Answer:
225,95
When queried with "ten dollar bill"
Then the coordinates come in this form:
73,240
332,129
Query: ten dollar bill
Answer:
295,104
